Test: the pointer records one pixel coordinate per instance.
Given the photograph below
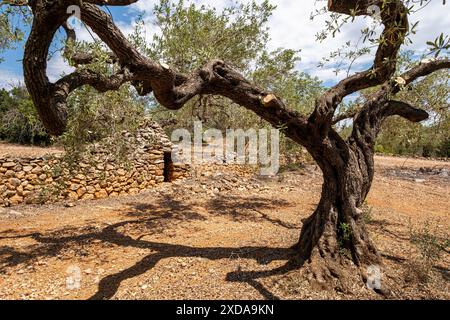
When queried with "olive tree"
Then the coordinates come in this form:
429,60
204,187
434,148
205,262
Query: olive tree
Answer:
347,165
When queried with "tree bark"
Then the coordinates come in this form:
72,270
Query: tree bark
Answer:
336,235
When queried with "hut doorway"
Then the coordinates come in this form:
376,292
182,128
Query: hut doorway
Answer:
168,167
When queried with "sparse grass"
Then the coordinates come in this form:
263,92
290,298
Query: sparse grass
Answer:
430,247
367,213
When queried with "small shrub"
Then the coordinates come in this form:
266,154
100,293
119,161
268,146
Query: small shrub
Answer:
430,247
345,235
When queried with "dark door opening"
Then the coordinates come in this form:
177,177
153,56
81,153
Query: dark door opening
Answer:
168,167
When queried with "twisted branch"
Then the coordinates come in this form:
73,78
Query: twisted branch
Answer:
395,19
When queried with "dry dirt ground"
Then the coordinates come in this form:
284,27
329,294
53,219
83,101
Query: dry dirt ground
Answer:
219,235
7,149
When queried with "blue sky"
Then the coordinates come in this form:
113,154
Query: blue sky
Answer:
290,27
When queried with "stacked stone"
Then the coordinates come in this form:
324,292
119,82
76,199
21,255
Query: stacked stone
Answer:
19,178
50,179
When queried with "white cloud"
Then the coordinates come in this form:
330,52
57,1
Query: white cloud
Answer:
10,79
57,67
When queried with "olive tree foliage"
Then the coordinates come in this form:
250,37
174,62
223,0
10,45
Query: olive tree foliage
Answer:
190,35
431,138
12,21
93,116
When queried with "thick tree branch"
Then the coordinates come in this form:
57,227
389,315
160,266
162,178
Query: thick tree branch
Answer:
103,25
113,3
98,81
379,105
66,85
425,68
46,22
395,19
405,110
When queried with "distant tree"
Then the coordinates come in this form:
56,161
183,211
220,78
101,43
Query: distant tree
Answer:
19,120
192,35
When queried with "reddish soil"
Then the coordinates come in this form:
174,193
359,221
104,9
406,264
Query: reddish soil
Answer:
12,150
176,242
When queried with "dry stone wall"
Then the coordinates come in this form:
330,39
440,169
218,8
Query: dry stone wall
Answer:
95,175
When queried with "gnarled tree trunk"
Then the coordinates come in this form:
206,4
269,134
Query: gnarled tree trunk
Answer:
336,233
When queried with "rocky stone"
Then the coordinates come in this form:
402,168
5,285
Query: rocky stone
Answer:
20,175
37,170
14,182
8,164
102,194
9,193
88,196
16,200
27,169
81,191
74,187
134,191
9,173
73,196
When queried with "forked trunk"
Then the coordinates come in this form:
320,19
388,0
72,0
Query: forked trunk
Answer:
335,235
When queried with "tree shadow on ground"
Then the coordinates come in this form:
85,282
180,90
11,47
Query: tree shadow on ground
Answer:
445,272
238,210
148,220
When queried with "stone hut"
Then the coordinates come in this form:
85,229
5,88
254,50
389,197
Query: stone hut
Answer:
94,175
